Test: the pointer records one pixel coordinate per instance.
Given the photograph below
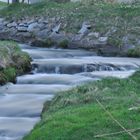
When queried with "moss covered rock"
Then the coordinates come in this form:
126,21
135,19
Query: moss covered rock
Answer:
13,61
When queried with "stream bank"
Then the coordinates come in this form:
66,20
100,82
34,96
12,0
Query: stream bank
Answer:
47,32
76,114
13,62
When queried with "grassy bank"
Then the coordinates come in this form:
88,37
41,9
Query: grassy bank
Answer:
13,61
78,115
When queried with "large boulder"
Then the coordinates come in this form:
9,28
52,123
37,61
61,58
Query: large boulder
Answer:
33,27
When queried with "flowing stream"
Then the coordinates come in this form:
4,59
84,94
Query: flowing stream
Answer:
53,70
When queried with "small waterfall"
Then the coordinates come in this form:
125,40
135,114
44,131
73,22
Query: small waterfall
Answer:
79,68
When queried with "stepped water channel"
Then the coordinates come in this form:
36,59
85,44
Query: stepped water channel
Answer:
53,70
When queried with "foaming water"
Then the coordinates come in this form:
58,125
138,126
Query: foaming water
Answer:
87,64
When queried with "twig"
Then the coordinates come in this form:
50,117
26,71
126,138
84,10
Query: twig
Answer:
115,133
129,133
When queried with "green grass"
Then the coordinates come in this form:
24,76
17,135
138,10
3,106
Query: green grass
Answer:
2,5
8,75
14,61
76,115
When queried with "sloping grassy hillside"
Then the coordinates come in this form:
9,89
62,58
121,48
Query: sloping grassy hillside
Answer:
118,21
12,61
78,115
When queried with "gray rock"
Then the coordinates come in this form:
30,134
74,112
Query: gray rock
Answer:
22,29
138,42
24,34
77,37
85,28
42,20
5,23
58,37
24,37
1,20
43,33
45,21
13,24
94,34
1,26
32,27
42,26
23,24
125,39
31,21
56,28
1,23
103,40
